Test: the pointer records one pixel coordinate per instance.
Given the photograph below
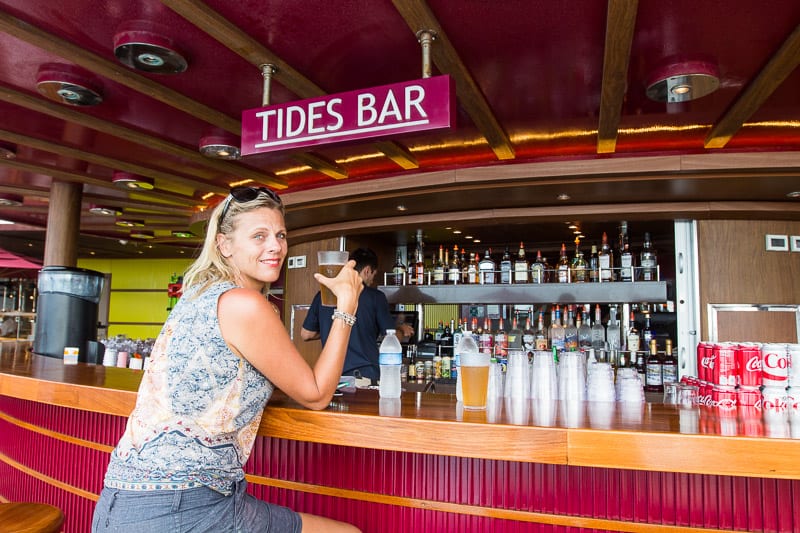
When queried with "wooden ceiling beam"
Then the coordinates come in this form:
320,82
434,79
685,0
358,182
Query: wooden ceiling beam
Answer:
115,164
63,175
224,31
53,109
779,67
116,72
620,24
321,164
419,16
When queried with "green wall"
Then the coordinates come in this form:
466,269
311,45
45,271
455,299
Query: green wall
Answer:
138,306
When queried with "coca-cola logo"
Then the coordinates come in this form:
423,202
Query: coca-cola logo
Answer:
708,362
726,403
753,364
776,360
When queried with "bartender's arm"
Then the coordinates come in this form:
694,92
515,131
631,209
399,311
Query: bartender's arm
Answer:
307,335
310,328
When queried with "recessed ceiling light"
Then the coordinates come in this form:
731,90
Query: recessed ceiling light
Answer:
126,180
476,241
563,196
793,194
10,200
577,232
456,232
573,226
401,207
128,223
182,234
468,236
142,234
7,150
145,50
68,84
105,210
683,80
220,145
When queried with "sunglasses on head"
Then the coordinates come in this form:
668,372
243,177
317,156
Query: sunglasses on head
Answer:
247,194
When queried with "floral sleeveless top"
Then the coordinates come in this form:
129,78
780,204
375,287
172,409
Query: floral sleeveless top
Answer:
198,408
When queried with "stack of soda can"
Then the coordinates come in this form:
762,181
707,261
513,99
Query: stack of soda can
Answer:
748,374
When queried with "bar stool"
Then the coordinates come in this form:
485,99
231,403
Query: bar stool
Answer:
17,517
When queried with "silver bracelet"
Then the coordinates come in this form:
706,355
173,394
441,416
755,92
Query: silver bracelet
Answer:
347,318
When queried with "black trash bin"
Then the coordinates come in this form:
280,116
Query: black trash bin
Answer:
66,312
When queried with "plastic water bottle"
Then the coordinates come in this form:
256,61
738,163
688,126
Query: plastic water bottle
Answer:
467,344
390,358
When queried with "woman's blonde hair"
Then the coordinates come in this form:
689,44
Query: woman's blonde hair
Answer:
210,266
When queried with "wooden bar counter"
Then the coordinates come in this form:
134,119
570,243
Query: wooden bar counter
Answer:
422,463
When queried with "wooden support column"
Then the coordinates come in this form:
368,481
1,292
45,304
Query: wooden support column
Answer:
63,224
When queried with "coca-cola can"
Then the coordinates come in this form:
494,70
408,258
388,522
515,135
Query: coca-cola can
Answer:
727,420
776,423
750,422
748,365
794,364
705,361
723,371
723,397
704,394
773,398
774,365
748,397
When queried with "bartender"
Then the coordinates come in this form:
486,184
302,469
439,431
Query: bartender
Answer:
372,320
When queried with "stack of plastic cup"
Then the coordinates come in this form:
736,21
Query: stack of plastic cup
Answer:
517,379
495,389
629,387
571,377
544,385
600,383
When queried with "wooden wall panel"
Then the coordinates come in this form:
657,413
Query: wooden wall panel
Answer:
735,268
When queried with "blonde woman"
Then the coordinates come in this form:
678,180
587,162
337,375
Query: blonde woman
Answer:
179,465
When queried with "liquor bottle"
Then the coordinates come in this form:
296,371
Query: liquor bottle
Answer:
613,330
437,336
626,263
438,268
538,269
648,260
605,260
412,364
562,269
641,365
515,334
598,331
540,337
487,268
472,269
570,333
634,340
653,380
398,271
594,273
647,332
669,367
505,268
521,266
486,338
454,268
501,344
557,333
528,337
584,330
419,268
579,268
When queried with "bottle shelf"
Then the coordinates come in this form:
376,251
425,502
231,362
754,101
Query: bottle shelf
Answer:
578,293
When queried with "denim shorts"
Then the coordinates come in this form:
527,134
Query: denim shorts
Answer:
197,510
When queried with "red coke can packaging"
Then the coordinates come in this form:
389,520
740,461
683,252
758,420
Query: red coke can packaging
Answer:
723,397
723,369
705,393
793,398
773,399
748,397
748,365
705,361
774,365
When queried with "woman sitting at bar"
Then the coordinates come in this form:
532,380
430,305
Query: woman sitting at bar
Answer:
221,352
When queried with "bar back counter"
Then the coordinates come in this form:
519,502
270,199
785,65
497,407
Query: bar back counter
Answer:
421,464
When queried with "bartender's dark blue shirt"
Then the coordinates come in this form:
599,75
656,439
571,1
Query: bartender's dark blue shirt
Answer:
372,319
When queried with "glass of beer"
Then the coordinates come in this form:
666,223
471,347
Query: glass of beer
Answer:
475,379
330,263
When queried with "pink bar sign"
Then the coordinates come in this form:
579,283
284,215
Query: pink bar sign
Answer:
418,105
